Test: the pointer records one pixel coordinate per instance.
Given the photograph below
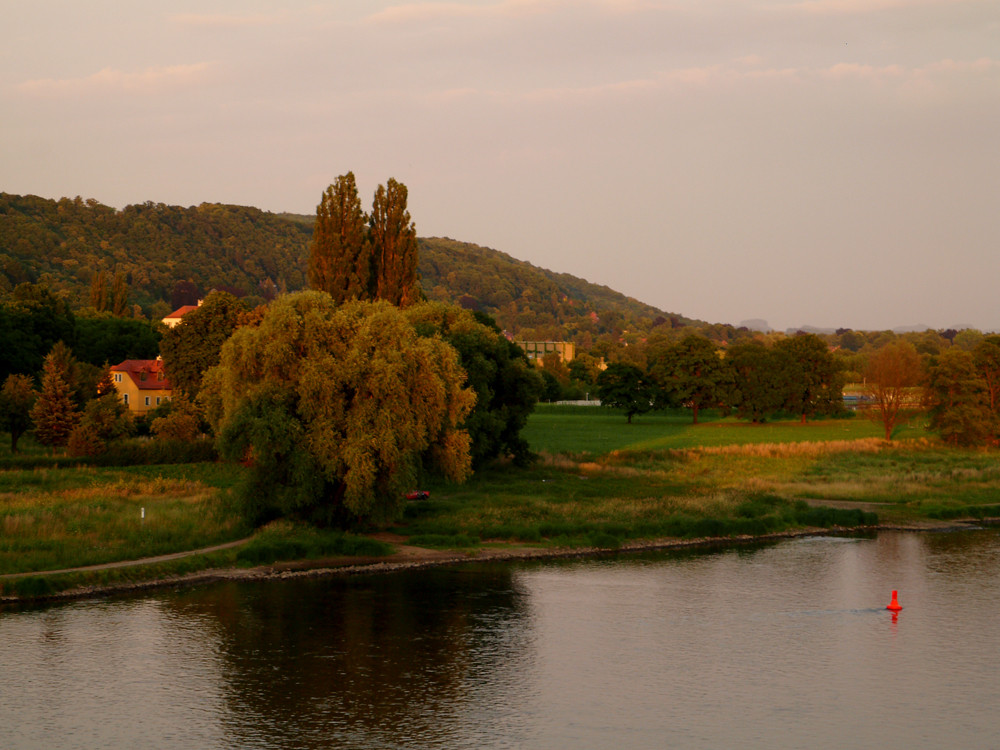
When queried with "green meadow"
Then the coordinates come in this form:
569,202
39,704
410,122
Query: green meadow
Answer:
598,482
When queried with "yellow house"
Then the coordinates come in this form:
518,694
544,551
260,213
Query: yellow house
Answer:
142,384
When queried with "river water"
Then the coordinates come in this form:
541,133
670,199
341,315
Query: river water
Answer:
780,646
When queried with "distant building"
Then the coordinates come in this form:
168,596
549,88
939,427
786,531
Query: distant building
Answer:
536,350
142,384
174,318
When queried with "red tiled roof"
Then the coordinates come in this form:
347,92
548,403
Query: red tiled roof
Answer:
180,312
153,369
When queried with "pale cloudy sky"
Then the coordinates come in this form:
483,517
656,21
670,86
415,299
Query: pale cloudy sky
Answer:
824,162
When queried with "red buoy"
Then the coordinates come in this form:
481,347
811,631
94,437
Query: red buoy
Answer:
894,604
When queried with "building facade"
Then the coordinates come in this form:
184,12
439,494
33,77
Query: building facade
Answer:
142,384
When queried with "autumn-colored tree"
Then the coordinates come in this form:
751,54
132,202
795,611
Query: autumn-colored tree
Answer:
340,254
986,356
892,374
54,413
394,246
335,408
16,400
190,348
958,398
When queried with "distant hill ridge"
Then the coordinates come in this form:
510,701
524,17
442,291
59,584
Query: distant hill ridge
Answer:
65,243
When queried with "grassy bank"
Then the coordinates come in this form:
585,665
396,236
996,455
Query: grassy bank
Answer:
599,482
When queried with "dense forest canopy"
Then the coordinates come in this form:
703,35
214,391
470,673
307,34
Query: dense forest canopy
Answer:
169,254
65,244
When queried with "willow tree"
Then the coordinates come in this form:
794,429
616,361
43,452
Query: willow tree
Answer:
394,246
340,254
336,409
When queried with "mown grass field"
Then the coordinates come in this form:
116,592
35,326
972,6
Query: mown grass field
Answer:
599,481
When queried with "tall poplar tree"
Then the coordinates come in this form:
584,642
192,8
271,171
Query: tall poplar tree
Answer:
340,255
394,246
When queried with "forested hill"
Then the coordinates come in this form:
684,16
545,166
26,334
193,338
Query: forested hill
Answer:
533,301
169,253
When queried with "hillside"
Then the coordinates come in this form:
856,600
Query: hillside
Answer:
168,253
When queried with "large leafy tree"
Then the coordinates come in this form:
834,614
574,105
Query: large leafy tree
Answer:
691,373
891,377
394,246
16,400
959,400
764,379
336,408
625,386
193,346
104,338
819,385
507,385
340,254
32,319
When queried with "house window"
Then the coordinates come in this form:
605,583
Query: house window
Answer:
125,398
118,377
142,375
147,400
157,400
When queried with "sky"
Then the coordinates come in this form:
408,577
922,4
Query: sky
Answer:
832,163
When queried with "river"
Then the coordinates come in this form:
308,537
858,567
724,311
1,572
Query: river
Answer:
787,645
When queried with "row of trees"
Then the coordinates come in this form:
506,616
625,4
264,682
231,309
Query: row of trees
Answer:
797,375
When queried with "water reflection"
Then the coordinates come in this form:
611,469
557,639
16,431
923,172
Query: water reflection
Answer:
363,662
787,645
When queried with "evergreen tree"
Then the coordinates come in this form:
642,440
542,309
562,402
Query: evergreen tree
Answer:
340,254
394,246
54,413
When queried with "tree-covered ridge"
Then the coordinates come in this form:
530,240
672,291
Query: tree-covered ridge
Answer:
163,251
532,301
65,244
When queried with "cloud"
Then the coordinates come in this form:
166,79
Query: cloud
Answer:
431,11
849,71
108,80
864,7
215,21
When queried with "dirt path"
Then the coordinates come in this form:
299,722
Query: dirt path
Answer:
130,563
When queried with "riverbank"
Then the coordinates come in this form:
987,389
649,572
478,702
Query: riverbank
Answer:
409,558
